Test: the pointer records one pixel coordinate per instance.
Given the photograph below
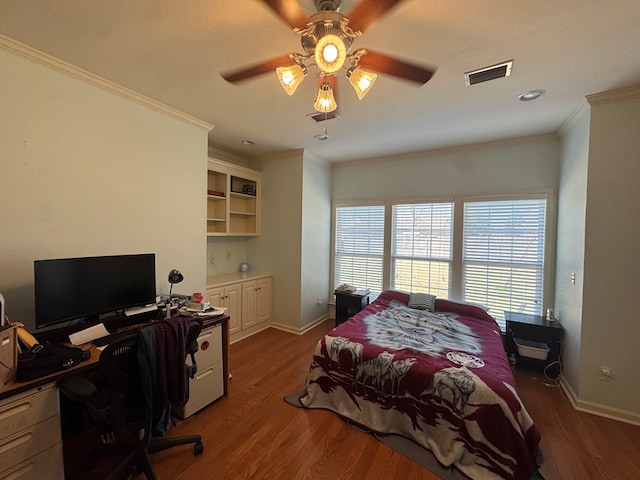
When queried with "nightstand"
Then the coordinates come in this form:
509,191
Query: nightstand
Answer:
348,304
534,341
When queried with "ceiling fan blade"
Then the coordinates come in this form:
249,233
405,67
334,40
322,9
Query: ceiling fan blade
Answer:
367,12
258,69
381,63
290,12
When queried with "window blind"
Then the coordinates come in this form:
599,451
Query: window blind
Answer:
421,247
503,255
359,246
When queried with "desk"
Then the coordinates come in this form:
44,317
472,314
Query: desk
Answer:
30,434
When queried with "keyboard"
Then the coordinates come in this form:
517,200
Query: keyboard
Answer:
112,337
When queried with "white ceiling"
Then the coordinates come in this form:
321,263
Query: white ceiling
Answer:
174,50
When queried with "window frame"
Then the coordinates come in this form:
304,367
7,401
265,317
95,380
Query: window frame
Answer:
393,257
549,257
455,288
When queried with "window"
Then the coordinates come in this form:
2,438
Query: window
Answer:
503,255
359,246
421,248
495,256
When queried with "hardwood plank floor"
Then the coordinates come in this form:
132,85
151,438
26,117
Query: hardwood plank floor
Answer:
253,434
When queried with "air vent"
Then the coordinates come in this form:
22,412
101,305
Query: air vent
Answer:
321,116
488,73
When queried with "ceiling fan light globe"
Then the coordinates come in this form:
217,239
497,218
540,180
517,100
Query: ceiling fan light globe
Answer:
290,77
330,53
361,81
325,102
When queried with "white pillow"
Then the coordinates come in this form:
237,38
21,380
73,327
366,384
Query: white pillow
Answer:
422,301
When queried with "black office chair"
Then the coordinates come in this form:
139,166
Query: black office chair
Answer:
119,408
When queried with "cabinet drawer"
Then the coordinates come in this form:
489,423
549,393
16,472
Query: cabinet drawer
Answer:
26,443
207,386
209,347
47,464
24,410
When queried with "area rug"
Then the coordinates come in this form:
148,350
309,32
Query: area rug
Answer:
405,446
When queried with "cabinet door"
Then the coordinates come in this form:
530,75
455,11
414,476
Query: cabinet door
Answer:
216,296
249,311
263,300
233,297
228,297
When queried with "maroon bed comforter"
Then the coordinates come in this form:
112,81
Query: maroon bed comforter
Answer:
441,379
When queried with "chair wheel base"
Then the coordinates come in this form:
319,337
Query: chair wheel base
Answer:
198,448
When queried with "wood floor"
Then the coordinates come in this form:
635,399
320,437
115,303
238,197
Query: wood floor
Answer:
253,434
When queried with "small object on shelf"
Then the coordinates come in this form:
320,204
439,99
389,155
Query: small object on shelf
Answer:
215,193
244,267
249,189
243,186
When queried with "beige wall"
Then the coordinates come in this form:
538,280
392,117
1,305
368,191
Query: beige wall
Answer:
500,167
87,171
610,326
316,240
572,204
278,249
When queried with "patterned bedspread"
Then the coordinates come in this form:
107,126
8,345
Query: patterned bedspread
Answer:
441,379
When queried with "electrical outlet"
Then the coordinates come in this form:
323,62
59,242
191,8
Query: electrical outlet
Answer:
606,375
228,254
319,301
213,259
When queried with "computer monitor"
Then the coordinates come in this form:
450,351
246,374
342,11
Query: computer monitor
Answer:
82,289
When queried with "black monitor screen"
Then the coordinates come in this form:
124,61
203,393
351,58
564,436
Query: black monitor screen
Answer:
79,288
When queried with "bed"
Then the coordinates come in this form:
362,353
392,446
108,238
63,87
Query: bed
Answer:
440,378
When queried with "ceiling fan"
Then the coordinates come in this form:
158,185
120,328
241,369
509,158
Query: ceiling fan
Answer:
327,39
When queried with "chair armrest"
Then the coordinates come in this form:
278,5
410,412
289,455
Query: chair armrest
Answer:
78,388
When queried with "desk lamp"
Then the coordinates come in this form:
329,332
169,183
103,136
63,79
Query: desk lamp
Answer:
174,277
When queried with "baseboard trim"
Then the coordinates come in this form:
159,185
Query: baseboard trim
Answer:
598,409
303,330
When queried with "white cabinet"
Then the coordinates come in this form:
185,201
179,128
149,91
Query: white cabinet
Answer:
228,296
248,299
233,200
30,438
208,383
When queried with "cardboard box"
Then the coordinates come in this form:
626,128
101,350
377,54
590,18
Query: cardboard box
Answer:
8,356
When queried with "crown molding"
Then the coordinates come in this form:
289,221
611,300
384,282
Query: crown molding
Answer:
615,96
21,50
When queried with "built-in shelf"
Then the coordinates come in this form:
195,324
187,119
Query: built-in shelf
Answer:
234,209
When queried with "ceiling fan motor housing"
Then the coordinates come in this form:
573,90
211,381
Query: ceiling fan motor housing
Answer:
326,23
328,5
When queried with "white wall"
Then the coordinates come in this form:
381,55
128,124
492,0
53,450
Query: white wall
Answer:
87,171
610,326
279,246
225,254
499,167
572,200
316,240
